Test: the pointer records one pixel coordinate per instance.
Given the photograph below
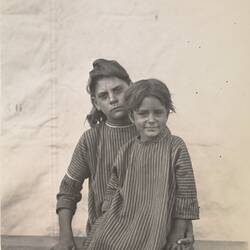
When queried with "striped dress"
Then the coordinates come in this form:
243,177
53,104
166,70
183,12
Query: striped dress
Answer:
151,183
92,159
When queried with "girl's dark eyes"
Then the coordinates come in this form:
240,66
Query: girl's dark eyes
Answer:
145,113
142,113
103,96
117,90
159,112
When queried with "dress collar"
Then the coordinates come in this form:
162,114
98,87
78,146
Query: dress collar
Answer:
119,125
165,132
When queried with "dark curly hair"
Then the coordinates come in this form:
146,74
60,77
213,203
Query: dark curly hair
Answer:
136,93
103,68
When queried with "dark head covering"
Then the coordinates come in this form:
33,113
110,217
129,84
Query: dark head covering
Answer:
106,68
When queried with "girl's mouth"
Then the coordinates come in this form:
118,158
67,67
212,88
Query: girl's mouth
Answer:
151,128
118,108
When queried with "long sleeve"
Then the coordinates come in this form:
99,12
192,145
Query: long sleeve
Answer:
71,185
186,204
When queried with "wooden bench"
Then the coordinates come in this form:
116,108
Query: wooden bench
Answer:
45,242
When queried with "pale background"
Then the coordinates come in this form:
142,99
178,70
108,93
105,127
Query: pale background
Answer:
200,49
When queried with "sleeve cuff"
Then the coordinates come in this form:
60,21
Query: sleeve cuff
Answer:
186,208
68,204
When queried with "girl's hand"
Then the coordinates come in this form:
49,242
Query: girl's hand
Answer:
64,245
186,243
173,238
181,236
181,244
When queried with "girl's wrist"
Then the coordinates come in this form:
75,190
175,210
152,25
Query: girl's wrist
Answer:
180,225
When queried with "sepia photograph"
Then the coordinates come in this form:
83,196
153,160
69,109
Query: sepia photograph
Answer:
125,125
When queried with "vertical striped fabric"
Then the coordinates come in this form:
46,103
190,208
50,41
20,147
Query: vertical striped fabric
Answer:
151,183
92,158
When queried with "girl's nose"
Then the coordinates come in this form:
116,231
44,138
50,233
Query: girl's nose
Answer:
112,98
151,118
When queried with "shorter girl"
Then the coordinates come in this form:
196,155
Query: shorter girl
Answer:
151,196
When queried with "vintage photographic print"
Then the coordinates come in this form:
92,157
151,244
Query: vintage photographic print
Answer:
125,125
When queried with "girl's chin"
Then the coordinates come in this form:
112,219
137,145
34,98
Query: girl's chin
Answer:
149,137
119,114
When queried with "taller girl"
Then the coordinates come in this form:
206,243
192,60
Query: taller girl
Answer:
97,147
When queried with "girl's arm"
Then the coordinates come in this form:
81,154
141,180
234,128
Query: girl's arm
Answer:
66,239
186,204
178,230
71,185
70,194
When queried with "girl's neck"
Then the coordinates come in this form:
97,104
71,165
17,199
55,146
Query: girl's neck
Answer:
164,132
119,123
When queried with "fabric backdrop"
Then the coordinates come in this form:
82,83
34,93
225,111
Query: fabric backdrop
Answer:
200,49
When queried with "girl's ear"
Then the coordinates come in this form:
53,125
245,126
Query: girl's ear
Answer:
131,116
94,103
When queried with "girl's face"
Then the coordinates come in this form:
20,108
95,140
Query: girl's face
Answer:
150,118
109,98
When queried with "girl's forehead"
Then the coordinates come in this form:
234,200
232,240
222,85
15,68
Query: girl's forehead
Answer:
107,83
150,102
